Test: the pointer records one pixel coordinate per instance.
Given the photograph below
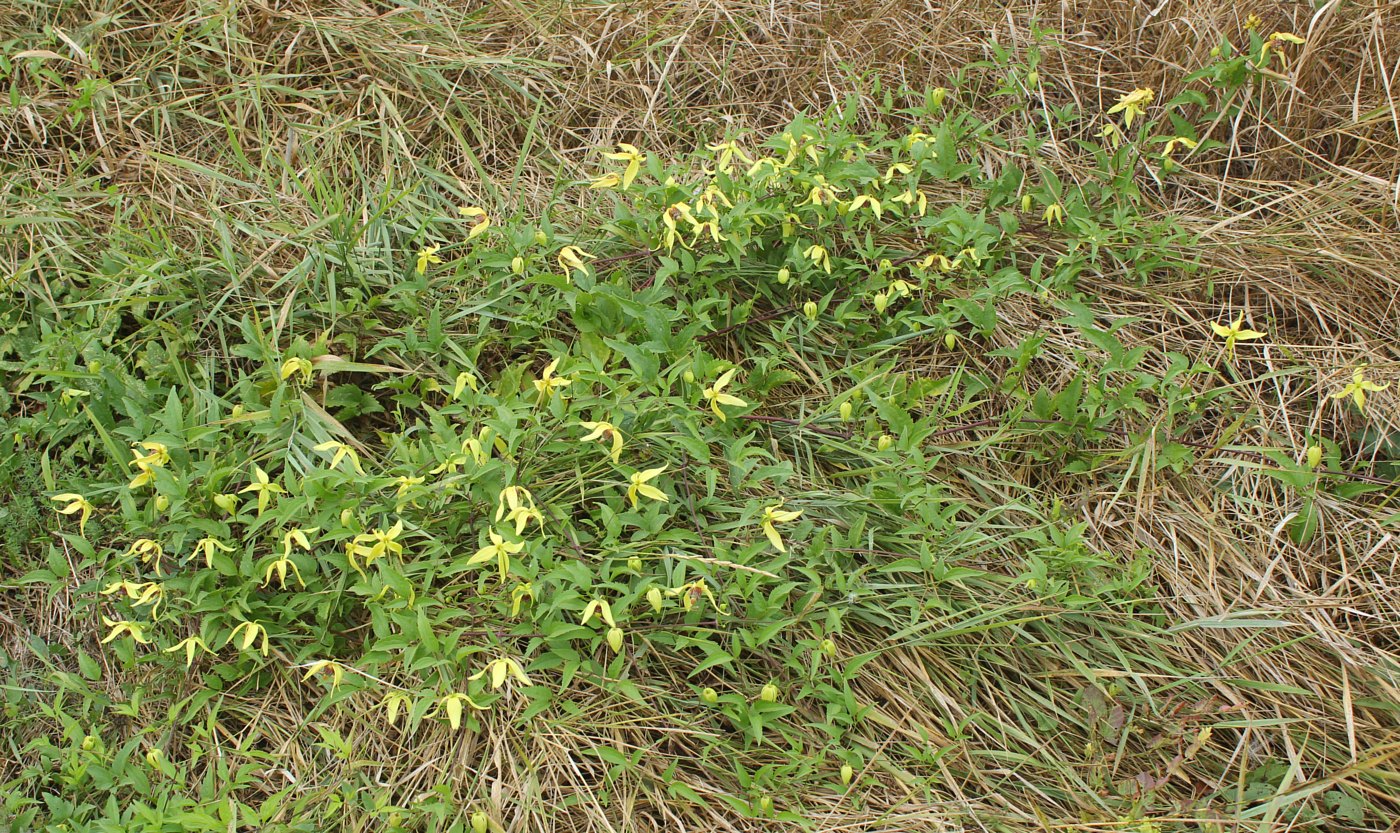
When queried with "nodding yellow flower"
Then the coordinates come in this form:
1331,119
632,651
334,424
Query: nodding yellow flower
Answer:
499,550
819,256
280,567
405,482
1235,332
607,180
189,645
637,485
773,515
864,200
69,394
1253,21
149,551
634,159
342,450
121,626
671,217
791,223
692,592
296,366
902,288
76,503
1111,132
548,383
207,546
1358,388
297,536
140,593
156,456
426,256
337,671
500,669
474,212
604,431
970,253
1132,105
465,379
772,164
821,192
897,169
1054,213
263,485
375,544
251,632
913,198
1189,144
571,259
518,594
942,261
716,396
516,505
393,703
451,705
600,607
1276,39
712,227
709,201
727,152
916,137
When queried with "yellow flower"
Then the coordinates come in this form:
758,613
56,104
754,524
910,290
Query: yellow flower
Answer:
821,193
607,180
1253,21
156,456
1132,105
897,169
297,536
913,198
671,217
405,483
709,200
76,503
716,396
342,450
600,607
727,152
500,669
279,567
140,593
819,256
571,259
692,592
499,550
516,505
465,379
208,546
337,671
709,225
251,632
604,431
637,484
148,551
263,485
121,626
518,595
864,200
1358,388
427,255
548,383
634,159
942,261
1054,213
1233,333
376,544
1189,144
451,705
473,212
773,515
392,703
189,645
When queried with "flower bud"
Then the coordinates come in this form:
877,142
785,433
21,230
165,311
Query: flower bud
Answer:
710,696
765,804
1032,79
881,301
784,275
809,309
884,442
1314,456
846,411
615,640
540,238
517,265
480,822
688,377
89,743
1025,202
938,95
828,647
769,693
153,757
950,340
847,773
228,503
654,599
634,564
236,412
162,503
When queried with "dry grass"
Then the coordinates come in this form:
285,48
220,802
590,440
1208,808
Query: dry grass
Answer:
498,101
